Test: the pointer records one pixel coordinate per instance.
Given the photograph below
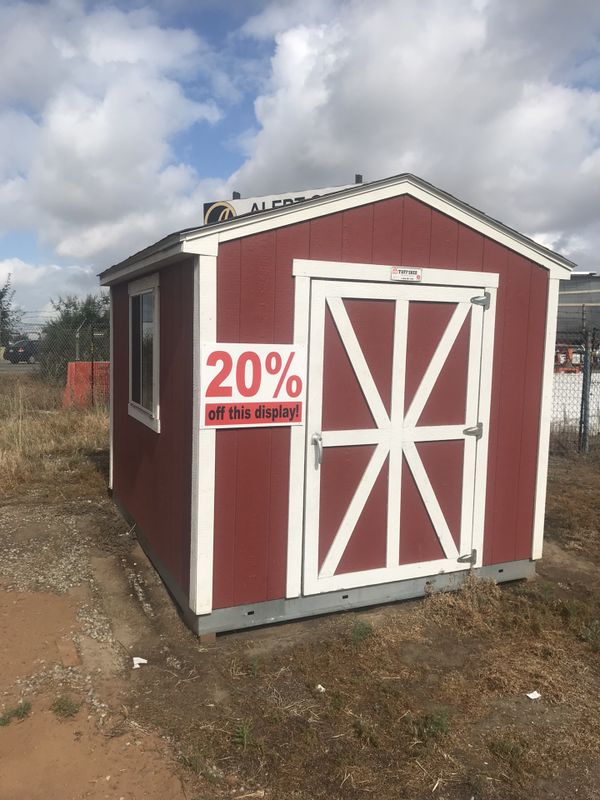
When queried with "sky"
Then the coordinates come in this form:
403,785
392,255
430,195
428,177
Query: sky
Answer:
119,120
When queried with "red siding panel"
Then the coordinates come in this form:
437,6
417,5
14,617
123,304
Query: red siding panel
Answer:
152,472
387,231
416,243
357,235
255,290
444,241
510,378
255,300
326,237
530,421
470,249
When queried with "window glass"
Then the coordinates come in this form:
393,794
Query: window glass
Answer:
147,332
135,349
142,349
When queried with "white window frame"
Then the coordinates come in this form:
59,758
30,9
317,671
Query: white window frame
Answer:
146,285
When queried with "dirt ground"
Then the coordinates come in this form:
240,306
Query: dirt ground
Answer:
416,700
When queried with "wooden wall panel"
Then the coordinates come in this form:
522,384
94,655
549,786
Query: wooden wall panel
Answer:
416,241
533,357
444,241
469,249
357,235
152,472
387,231
255,304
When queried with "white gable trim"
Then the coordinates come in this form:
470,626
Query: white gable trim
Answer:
205,241
355,198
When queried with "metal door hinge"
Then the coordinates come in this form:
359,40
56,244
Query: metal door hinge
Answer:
476,431
469,559
482,300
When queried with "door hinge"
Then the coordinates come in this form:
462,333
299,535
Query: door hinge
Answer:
482,300
468,559
476,431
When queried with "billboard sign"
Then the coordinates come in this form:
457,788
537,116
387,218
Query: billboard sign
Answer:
224,210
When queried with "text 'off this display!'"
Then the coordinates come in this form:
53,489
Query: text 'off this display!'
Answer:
252,385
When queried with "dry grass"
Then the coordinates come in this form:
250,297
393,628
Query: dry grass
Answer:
43,444
432,701
573,503
423,699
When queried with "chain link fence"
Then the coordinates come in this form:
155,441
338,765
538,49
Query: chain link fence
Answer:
576,385
71,357
75,358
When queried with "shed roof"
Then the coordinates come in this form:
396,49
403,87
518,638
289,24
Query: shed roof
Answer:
204,240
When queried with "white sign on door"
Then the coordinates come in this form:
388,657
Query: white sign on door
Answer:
251,385
407,274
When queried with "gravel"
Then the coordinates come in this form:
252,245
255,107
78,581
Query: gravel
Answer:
42,550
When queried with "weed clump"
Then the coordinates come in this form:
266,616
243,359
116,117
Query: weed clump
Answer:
65,707
242,734
510,750
432,725
361,630
591,634
20,711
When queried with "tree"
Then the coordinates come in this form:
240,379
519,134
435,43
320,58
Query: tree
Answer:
9,316
79,332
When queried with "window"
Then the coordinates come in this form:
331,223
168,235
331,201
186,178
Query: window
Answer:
144,351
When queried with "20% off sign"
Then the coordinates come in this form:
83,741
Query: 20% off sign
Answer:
249,385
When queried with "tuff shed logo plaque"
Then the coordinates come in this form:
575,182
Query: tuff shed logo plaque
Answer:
407,274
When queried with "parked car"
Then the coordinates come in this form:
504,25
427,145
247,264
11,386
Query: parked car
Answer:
23,350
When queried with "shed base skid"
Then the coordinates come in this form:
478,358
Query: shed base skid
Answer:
222,620
272,611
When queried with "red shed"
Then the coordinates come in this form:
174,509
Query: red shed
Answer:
333,404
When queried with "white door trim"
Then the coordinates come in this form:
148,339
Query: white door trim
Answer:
350,271
475,452
203,444
545,419
297,454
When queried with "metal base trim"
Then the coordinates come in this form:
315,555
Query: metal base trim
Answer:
236,618
272,611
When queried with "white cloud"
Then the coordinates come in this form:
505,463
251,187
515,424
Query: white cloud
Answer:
496,101
35,285
89,105
491,101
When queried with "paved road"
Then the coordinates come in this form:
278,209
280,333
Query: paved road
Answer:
6,368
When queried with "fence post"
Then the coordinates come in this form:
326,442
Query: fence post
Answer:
93,354
584,417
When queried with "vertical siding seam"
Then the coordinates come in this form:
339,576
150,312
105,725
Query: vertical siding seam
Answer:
430,215
402,240
456,244
270,537
236,434
522,420
520,492
496,391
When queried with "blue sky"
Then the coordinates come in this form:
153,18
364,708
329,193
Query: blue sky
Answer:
118,120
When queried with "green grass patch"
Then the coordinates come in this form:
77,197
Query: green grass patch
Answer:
432,725
20,711
361,630
510,750
242,734
590,633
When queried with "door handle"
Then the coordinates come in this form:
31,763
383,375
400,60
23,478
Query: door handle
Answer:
317,442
